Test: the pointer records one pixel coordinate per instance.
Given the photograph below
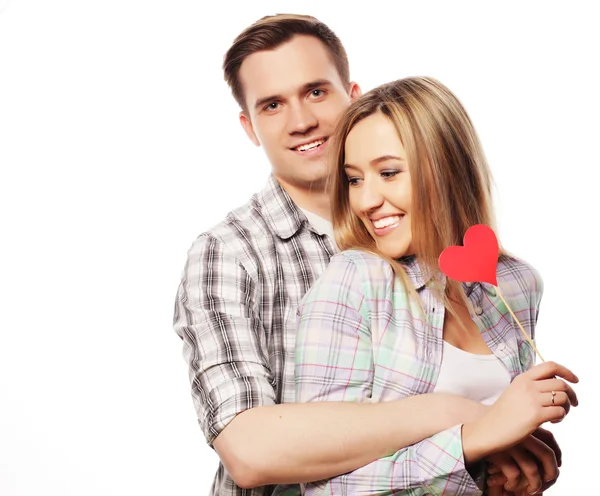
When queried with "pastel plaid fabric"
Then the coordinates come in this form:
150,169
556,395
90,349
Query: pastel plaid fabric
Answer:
361,339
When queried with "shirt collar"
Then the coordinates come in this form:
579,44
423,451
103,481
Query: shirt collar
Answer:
418,277
280,212
285,219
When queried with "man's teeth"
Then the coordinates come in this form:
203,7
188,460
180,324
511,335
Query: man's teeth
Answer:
387,221
309,146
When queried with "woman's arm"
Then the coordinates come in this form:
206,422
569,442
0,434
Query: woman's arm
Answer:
334,362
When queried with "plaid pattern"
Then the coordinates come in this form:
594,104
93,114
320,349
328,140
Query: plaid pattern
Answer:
361,339
236,313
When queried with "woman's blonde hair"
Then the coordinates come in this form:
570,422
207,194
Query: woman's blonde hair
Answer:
451,180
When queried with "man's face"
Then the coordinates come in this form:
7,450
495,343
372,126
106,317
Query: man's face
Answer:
294,97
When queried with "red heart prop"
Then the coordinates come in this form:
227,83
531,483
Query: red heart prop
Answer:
476,261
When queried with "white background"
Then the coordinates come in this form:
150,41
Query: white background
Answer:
119,144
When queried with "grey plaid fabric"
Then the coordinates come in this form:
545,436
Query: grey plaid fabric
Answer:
236,313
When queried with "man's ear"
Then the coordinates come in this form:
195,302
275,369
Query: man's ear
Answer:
355,91
249,128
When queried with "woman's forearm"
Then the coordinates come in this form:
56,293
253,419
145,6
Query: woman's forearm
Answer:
303,442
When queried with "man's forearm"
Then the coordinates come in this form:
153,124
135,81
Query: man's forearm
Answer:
303,442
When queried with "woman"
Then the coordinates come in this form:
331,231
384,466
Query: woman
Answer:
382,323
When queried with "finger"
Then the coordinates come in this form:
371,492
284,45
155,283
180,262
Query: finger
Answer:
550,370
549,483
493,469
532,479
548,438
511,473
496,480
552,414
558,385
515,482
545,457
559,398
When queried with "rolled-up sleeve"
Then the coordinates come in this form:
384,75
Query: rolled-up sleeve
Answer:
334,362
221,336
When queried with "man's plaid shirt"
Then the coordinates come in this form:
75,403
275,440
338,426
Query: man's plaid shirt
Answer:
236,313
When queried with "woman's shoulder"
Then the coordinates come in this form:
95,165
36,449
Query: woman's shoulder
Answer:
350,277
514,272
368,265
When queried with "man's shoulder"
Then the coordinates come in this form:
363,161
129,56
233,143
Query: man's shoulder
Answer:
248,233
247,217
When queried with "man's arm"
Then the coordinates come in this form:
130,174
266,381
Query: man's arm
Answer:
303,442
259,442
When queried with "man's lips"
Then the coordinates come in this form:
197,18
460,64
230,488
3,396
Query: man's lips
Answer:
307,146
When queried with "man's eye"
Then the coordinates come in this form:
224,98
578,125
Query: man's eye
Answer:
272,106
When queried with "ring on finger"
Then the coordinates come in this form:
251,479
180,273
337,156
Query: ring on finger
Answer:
553,393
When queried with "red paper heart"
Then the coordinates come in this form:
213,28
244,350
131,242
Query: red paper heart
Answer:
476,261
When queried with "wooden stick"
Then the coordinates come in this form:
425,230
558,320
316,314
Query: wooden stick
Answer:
520,326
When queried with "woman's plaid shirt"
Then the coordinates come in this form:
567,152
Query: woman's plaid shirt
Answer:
361,339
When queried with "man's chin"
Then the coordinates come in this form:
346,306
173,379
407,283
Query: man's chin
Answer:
308,182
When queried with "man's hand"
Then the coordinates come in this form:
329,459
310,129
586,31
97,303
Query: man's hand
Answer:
530,467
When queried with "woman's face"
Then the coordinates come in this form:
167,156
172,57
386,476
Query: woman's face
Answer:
380,191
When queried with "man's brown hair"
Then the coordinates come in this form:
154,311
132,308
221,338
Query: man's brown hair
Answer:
272,31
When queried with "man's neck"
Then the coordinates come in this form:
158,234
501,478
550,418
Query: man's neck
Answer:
315,199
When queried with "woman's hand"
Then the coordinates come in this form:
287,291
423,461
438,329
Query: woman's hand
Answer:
534,397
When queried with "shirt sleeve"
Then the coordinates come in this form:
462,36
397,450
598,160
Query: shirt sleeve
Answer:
334,362
534,287
221,335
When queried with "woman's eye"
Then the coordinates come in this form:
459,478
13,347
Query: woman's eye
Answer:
389,174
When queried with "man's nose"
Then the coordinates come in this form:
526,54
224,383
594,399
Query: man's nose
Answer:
301,119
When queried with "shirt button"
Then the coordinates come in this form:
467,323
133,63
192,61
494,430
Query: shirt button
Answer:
469,284
478,310
501,346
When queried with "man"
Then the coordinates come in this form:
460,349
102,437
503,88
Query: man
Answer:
236,305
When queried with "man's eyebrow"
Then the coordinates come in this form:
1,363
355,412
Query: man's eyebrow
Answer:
261,102
315,84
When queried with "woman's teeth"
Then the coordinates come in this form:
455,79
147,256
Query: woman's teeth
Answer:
387,221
